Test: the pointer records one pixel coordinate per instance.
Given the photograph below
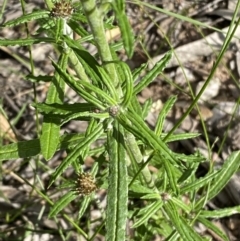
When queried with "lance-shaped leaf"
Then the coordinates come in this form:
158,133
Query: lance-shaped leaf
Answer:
223,176
137,126
220,213
87,93
117,186
124,25
62,203
209,225
49,138
147,212
27,18
163,113
64,109
172,179
182,227
59,28
127,81
25,42
153,73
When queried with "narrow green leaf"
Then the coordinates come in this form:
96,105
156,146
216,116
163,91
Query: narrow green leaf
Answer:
134,124
59,28
62,203
182,227
150,196
223,176
84,205
179,136
189,231
229,167
193,186
120,5
140,189
137,71
64,109
194,158
128,90
153,73
28,17
68,140
135,105
188,175
25,42
147,213
76,85
47,26
136,159
49,138
221,213
91,66
208,224
170,208
163,113
118,186
88,62
182,205
44,78
106,79
99,92
78,29
91,126
85,116
138,126
172,179
127,33
146,108
78,17
56,89
67,112
124,25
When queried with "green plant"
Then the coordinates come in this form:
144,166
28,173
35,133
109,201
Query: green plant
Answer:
114,114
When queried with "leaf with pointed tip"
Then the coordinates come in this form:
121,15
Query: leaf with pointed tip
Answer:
62,203
153,73
27,18
163,113
147,212
222,176
125,28
25,42
210,225
183,228
49,138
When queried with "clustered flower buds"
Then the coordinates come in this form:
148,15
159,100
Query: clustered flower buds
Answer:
62,9
85,184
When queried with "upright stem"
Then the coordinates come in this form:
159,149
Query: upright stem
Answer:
134,149
95,19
